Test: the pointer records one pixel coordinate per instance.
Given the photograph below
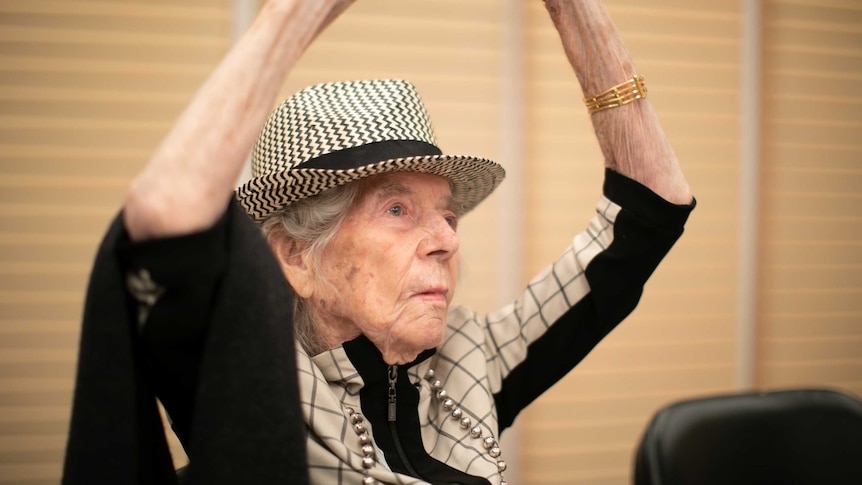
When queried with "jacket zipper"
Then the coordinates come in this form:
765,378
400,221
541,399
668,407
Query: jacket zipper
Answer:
392,375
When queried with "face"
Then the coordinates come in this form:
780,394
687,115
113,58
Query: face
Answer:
390,270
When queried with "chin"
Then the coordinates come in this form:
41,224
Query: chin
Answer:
434,335
409,353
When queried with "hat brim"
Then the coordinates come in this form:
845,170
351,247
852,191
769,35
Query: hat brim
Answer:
473,179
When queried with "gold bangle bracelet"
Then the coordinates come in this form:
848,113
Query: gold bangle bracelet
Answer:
623,93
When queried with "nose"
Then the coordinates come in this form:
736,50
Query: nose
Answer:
441,240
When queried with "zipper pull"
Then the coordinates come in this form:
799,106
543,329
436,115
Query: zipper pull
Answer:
393,377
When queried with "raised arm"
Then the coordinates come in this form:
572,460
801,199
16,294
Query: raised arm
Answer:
630,136
189,180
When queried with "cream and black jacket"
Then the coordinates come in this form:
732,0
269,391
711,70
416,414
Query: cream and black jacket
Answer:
491,366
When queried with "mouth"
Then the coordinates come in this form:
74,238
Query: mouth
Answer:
433,294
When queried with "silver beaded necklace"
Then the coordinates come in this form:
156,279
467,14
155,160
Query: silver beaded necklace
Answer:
489,443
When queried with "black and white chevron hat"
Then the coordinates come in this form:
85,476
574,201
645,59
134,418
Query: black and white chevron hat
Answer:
331,134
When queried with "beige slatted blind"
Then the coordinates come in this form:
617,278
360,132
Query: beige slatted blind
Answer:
680,341
811,291
87,88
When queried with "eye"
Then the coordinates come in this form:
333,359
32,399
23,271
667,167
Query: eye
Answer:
396,210
452,221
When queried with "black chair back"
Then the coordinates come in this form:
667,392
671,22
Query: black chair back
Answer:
792,437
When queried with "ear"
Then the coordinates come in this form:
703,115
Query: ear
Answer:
293,259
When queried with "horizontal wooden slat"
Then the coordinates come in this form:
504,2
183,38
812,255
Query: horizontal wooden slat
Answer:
813,323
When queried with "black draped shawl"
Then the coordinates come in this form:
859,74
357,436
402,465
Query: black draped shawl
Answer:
246,425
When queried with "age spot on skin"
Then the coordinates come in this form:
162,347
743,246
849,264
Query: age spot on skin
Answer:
351,273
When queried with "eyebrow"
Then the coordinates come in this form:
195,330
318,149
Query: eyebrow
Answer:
395,188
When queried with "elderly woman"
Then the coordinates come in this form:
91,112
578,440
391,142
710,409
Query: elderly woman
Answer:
359,211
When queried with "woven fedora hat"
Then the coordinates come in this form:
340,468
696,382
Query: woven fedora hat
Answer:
332,134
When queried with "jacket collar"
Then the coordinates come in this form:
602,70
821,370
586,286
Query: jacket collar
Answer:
357,362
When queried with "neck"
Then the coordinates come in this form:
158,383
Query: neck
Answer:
318,334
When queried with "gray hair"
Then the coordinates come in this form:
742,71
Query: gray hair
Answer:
312,222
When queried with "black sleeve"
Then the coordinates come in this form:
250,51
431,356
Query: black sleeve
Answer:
187,271
646,229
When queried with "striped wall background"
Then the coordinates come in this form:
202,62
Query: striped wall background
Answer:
87,89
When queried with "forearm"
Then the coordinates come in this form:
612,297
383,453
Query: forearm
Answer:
632,141
189,180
